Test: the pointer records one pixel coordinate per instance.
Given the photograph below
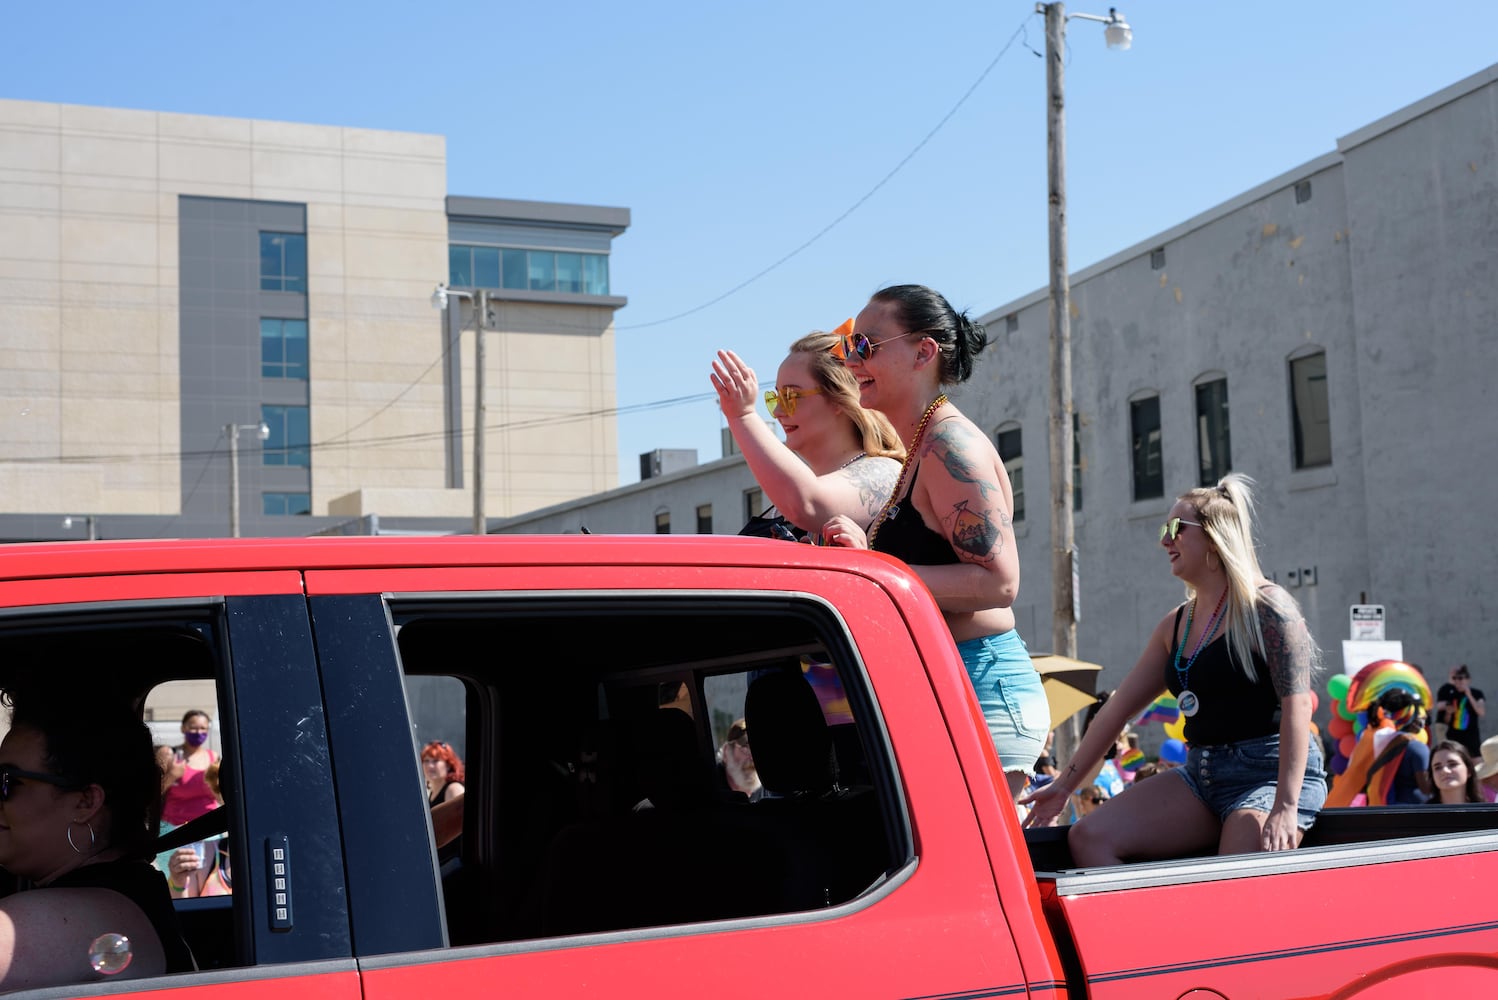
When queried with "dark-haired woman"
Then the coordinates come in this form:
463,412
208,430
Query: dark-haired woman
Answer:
949,516
848,456
78,792
1454,775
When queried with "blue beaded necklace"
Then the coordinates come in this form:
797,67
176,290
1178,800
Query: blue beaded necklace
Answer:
1188,701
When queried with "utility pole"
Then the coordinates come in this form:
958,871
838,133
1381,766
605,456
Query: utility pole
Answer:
1062,442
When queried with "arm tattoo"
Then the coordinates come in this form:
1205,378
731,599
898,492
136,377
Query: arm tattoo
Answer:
974,534
1287,647
874,480
945,438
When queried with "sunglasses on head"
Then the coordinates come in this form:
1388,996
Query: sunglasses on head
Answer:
1170,529
12,777
786,399
857,344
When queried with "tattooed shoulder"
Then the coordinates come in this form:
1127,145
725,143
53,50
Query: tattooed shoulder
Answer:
1288,649
874,479
951,441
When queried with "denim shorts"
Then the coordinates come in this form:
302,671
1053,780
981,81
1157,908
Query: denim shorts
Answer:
1009,693
1245,775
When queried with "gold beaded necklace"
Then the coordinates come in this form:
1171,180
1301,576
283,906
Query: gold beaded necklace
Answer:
891,506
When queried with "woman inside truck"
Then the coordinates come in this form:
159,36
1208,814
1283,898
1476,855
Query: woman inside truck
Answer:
1238,658
78,789
949,516
849,456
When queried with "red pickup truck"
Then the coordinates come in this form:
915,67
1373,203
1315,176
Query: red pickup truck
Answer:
592,679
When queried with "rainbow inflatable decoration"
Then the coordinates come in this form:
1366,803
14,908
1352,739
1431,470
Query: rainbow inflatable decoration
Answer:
1381,676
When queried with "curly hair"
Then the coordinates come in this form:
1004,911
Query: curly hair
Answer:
439,750
98,741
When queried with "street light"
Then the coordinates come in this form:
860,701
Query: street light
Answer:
1064,571
480,299
262,432
88,519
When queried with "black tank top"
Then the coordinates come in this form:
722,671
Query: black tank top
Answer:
144,886
1233,708
905,536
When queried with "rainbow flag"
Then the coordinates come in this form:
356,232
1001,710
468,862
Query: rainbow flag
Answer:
1131,760
1461,714
1163,709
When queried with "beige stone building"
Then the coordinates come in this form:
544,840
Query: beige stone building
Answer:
170,283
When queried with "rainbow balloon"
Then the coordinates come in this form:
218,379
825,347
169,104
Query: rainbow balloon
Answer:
1380,676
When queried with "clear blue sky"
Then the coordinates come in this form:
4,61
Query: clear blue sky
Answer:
735,133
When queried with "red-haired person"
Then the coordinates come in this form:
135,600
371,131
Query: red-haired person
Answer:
443,771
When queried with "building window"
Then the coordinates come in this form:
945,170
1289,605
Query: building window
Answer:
285,504
532,270
1302,192
754,503
283,348
1213,446
1144,429
283,262
1010,443
1310,414
1157,258
705,519
290,441
663,523
1076,461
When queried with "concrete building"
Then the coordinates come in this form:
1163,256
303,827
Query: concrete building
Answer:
1348,312
170,282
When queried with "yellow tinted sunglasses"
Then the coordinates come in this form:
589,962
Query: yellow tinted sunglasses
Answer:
787,399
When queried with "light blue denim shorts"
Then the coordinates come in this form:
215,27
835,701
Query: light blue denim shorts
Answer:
1010,695
1245,775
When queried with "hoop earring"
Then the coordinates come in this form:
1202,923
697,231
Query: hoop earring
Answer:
91,838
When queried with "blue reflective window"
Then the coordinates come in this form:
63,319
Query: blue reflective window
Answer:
486,267
285,504
596,275
460,266
570,273
290,441
542,271
283,348
283,262
514,269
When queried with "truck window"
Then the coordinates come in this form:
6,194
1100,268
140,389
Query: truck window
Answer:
597,795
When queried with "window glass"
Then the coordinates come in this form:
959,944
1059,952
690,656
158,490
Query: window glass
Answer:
1310,412
514,269
1213,445
486,267
290,437
705,519
1144,426
283,262
647,797
1012,451
286,504
570,272
460,266
541,271
1076,461
283,348
754,502
595,274
663,523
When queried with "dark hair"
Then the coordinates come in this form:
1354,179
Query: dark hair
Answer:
1474,785
193,715
93,740
958,338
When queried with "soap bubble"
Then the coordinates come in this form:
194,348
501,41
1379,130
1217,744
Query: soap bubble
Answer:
109,954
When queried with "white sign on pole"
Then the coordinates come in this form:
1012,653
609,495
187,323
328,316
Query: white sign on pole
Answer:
1357,654
1367,622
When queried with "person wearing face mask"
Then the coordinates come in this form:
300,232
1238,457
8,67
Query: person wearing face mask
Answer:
185,794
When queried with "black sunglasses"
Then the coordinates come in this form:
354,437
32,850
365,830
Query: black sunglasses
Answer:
10,777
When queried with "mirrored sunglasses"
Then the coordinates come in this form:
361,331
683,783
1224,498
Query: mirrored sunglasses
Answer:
787,399
857,344
1170,529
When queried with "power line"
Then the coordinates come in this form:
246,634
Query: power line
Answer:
856,205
